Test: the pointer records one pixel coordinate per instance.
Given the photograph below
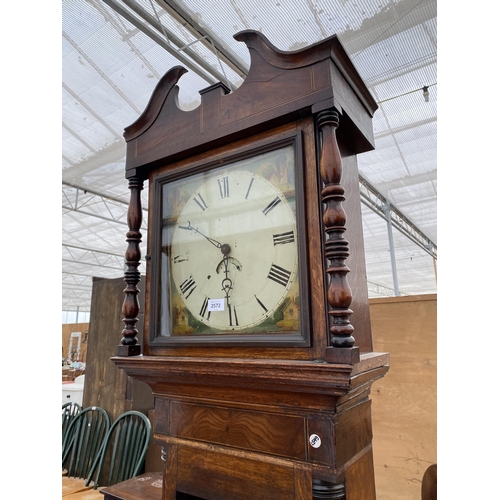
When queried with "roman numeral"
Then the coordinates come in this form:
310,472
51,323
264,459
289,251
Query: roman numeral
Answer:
181,258
249,187
260,303
271,205
283,238
201,202
224,187
231,310
204,307
279,275
187,286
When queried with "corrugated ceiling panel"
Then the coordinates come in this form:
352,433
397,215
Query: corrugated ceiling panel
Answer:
189,41
407,110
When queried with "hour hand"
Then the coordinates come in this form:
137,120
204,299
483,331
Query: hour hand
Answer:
189,227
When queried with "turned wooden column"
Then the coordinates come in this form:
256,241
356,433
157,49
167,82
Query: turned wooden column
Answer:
323,490
129,343
336,247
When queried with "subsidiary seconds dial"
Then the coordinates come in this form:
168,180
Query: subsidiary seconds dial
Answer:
234,251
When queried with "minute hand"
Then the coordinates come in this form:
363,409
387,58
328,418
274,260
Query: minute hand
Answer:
189,227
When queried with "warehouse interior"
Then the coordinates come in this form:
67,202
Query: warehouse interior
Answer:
114,53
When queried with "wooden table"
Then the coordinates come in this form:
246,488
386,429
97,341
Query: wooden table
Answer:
144,487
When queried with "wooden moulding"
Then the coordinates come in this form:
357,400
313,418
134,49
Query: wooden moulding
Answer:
284,375
288,375
280,87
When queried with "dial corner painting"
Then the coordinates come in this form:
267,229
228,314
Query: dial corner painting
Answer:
229,251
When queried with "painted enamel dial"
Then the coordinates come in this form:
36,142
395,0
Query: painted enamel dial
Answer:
233,254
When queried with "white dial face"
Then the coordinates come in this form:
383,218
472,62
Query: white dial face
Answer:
233,254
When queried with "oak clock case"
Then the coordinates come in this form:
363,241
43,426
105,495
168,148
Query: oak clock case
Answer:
229,269
248,290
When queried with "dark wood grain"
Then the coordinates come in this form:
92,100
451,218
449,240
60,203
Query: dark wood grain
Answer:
323,427
353,430
360,319
275,434
360,477
339,293
170,471
314,236
222,472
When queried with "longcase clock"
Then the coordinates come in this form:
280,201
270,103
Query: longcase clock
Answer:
258,349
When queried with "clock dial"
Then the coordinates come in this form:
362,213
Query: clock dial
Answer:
233,256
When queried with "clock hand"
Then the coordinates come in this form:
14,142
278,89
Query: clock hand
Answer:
224,248
189,227
227,283
227,286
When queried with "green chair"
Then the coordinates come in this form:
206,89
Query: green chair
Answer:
84,439
69,413
123,451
